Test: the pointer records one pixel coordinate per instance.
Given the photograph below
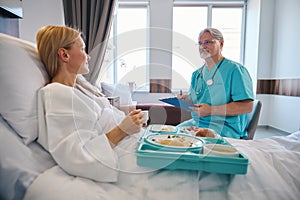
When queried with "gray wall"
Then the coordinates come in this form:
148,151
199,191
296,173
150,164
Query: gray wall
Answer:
38,13
272,46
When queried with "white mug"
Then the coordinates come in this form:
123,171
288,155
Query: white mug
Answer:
146,116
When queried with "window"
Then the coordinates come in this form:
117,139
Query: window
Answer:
229,22
126,56
185,57
189,20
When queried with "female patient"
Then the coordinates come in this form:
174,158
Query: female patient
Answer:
79,130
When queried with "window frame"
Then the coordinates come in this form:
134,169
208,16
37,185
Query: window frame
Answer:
191,3
210,6
220,4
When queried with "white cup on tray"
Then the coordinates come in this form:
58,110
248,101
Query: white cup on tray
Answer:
145,117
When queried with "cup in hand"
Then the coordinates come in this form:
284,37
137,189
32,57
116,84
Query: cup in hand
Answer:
146,116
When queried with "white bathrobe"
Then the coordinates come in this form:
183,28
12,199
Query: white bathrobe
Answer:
72,128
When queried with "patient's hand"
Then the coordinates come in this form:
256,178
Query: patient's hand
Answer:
132,122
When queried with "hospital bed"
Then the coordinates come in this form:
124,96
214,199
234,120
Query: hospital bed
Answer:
27,171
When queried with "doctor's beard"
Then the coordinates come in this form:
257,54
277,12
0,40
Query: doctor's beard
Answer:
204,54
84,68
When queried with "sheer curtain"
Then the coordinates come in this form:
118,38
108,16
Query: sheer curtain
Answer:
94,19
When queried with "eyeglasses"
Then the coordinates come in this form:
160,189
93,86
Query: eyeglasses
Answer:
206,42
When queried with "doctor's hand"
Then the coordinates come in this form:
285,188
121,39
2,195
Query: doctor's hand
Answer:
202,110
184,97
132,122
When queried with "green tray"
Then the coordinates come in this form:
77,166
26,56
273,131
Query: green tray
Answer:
150,156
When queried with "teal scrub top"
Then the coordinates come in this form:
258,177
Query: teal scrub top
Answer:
231,82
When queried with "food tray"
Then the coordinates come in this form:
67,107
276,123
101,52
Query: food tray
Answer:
150,156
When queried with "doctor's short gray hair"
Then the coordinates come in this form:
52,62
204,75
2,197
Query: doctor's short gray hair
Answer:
215,33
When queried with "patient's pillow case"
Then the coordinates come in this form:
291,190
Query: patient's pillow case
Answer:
21,75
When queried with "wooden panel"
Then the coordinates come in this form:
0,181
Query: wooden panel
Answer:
286,87
160,86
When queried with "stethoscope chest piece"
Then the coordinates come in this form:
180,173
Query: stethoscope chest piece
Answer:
209,82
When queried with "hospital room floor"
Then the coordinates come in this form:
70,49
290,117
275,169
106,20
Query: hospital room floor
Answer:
265,131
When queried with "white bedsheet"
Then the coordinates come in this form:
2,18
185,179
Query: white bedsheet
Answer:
273,173
134,182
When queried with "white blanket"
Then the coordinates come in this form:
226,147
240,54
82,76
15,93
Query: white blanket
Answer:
273,173
134,182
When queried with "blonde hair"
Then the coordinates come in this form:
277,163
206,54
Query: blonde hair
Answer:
49,39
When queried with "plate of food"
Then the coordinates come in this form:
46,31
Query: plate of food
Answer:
163,128
199,132
175,141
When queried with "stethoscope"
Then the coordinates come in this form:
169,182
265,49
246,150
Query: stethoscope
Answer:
209,82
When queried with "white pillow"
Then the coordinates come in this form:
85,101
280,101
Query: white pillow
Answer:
19,164
120,90
22,74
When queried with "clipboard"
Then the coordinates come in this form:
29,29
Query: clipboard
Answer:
178,103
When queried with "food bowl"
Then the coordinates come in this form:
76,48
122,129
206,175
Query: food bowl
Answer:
162,128
220,150
175,142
